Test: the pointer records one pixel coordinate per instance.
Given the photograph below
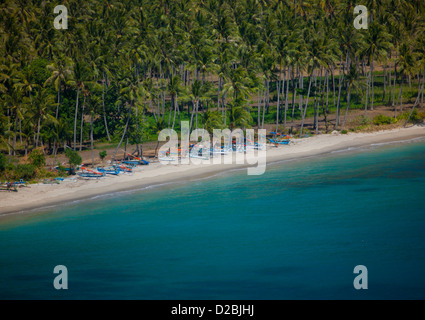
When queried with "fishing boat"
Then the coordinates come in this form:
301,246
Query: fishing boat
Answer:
90,174
135,160
8,186
110,170
249,144
123,168
278,138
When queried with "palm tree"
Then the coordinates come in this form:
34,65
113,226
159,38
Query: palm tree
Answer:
40,110
78,81
157,127
353,77
61,73
407,61
211,120
174,89
377,46
198,92
239,115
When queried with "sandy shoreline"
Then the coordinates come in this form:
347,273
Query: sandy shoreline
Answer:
41,195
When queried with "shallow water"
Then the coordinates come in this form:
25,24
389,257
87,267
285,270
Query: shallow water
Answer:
296,232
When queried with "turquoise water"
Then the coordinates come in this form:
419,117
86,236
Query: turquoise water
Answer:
296,232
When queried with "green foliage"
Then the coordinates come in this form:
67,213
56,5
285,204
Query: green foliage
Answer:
61,169
102,154
417,117
344,131
3,162
363,121
152,55
39,71
37,159
74,159
383,120
24,171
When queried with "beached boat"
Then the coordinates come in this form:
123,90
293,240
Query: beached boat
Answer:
135,160
123,168
90,174
278,138
8,186
110,170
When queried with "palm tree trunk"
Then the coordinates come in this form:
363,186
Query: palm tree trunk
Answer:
389,83
171,111
15,134
282,94
318,103
395,80
38,133
401,94
414,105
259,108
324,110
75,120
373,87
197,110
103,107
178,111
218,93
366,97
264,107
59,100
385,83
306,103
341,78
278,101
20,130
124,133
333,84
422,90
316,106
91,139
327,90
82,122
294,84
191,117
348,106
286,97
175,111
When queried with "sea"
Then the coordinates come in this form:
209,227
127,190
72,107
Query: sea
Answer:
348,225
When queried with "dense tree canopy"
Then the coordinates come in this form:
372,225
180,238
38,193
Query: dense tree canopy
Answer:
124,69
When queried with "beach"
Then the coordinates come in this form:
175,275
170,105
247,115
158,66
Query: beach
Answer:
44,195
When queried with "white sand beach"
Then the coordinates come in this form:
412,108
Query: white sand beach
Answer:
42,195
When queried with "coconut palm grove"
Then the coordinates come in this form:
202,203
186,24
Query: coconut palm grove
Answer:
124,70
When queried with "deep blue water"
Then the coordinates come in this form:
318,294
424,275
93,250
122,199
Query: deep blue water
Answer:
296,232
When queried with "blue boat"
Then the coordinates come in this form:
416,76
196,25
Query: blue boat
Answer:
132,160
112,171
